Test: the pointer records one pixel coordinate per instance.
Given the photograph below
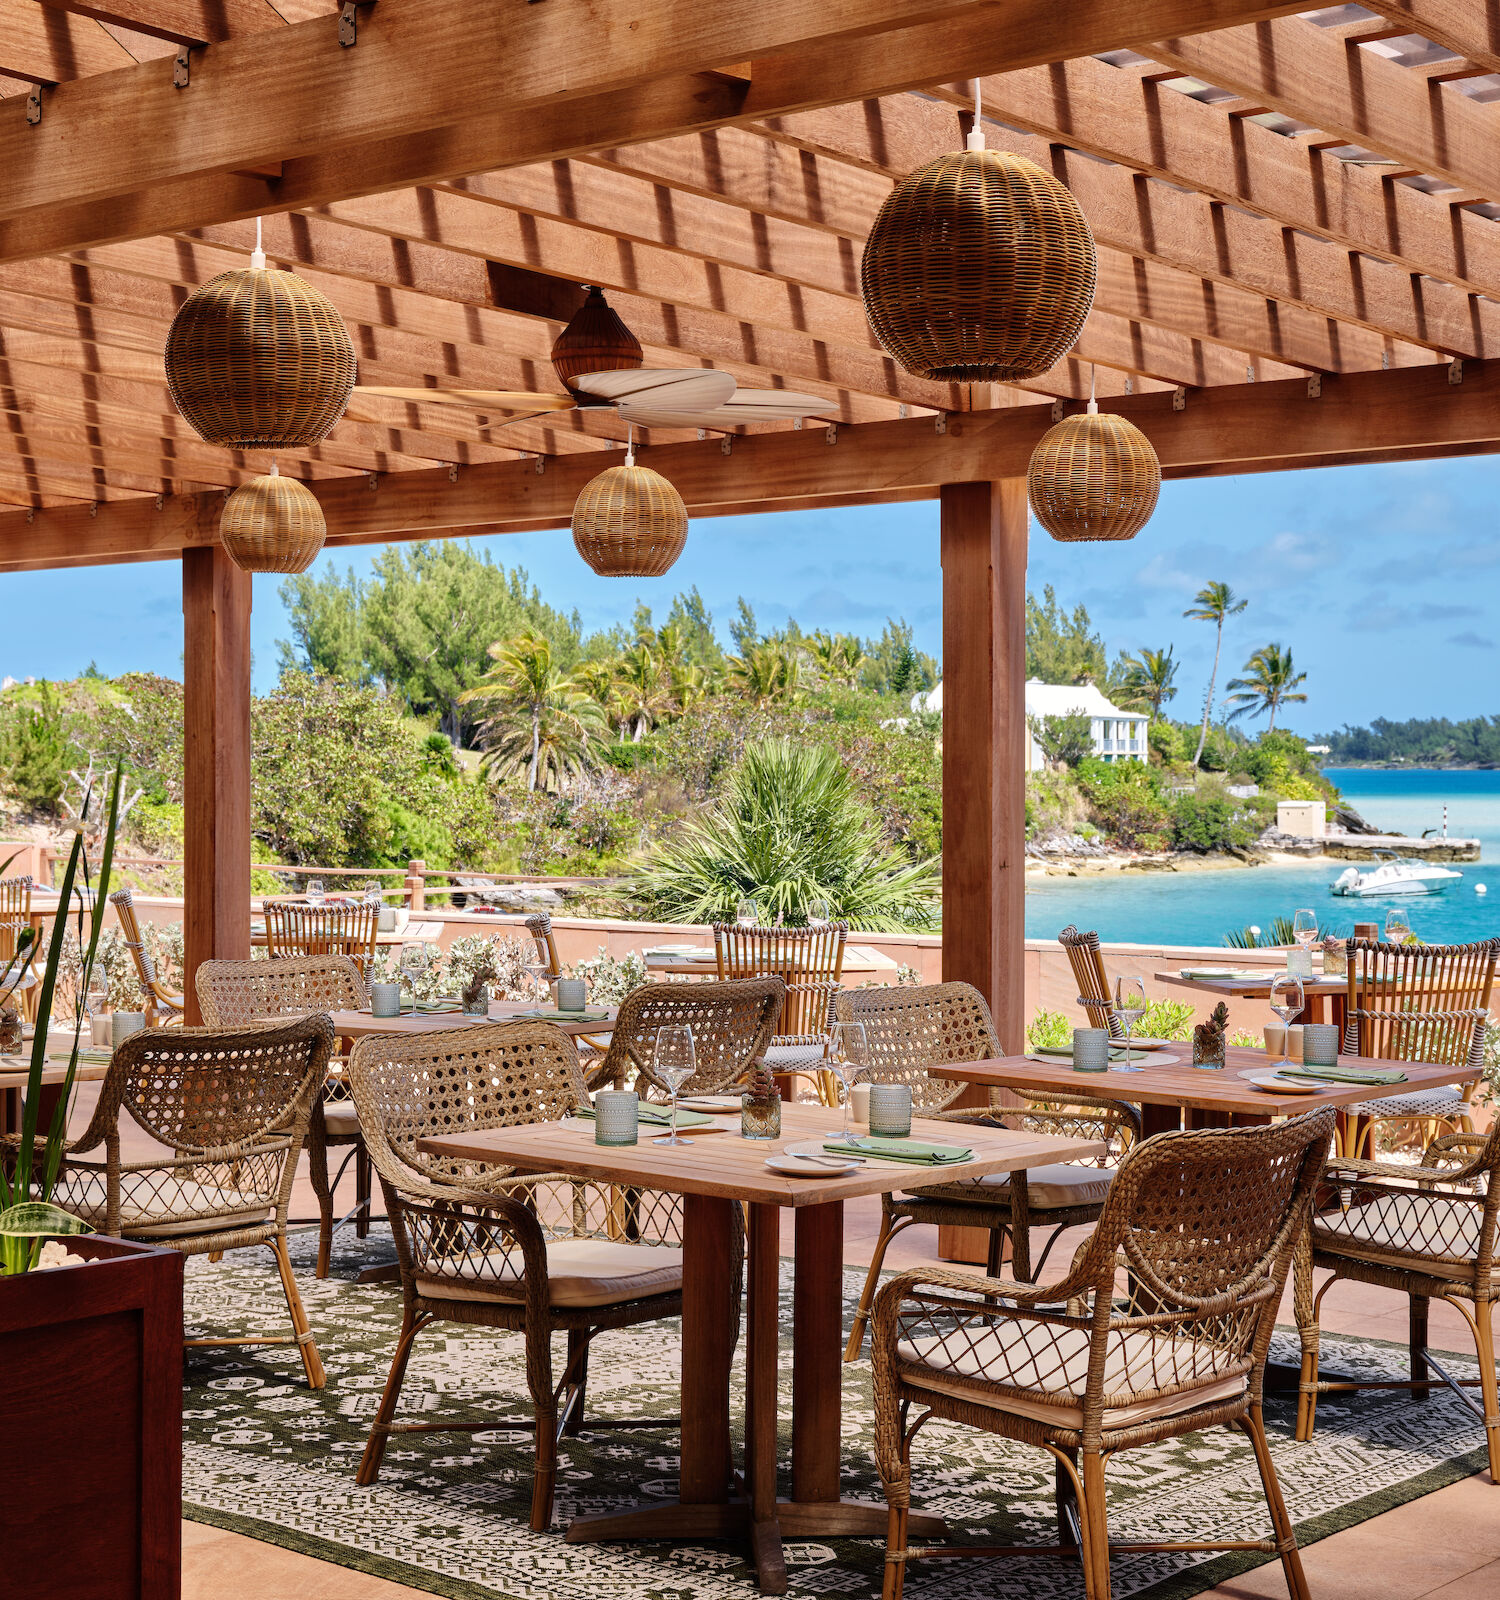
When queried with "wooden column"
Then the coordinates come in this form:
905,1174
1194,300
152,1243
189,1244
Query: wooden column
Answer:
983,534
216,761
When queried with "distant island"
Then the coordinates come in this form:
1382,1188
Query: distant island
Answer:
1421,742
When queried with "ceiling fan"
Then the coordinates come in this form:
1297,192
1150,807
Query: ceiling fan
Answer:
599,361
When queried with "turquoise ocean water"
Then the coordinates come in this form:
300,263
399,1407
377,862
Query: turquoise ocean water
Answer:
1201,907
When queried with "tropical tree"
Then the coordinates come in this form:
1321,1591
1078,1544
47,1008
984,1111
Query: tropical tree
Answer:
643,689
1213,603
766,672
1064,740
1149,680
789,829
839,657
540,720
1270,682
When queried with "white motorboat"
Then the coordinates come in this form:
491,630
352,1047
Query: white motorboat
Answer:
1401,875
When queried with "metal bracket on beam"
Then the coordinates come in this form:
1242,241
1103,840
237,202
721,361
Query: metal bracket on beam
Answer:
93,508
702,433
373,482
182,72
161,501
1456,370
832,435
1315,386
348,26
1129,383
796,424
1179,397
452,472
903,411
34,105
940,422
726,444
541,465
1385,361
1059,408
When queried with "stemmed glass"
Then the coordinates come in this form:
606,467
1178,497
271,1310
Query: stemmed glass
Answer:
536,970
1397,927
1130,1005
1305,928
746,914
819,914
1287,1000
413,964
374,897
674,1063
848,1059
316,893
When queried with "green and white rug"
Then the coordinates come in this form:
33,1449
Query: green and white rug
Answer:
265,1457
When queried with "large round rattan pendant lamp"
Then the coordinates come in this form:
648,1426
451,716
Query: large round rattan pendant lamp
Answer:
272,524
629,522
259,360
1093,477
980,268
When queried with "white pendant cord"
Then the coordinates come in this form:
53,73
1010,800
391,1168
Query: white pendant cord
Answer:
257,255
275,470
1093,403
630,446
976,133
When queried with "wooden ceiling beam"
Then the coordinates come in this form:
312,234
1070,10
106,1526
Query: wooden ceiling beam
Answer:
1469,30
1294,66
46,46
182,21
1354,416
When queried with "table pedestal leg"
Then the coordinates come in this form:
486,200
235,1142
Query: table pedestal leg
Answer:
763,1290
1159,1119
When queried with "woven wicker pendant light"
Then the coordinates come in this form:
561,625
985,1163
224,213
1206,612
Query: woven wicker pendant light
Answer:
980,268
259,360
1093,476
629,522
595,341
272,524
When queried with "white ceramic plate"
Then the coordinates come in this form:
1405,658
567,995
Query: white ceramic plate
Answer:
1269,1079
710,1102
789,1163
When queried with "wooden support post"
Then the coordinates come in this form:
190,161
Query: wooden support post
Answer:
216,762
983,532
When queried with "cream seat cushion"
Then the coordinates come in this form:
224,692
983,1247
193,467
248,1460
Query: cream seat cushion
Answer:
1048,1188
783,1057
1396,1227
153,1206
340,1118
1054,1360
580,1272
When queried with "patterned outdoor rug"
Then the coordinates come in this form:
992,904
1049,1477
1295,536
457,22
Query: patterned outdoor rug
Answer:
265,1457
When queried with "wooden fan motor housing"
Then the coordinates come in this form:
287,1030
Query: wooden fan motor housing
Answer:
629,522
272,524
595,341
980,268
257,359
1093,476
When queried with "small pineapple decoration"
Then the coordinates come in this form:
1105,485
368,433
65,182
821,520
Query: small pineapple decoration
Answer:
12,1031
760,1105
1208,1038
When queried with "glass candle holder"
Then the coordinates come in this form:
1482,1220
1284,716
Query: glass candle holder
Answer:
1091,1049
479,1006
616,1116
572,994
124,1024
760,1119
1320,1044
1336,960
1299,962
890,1110
385,999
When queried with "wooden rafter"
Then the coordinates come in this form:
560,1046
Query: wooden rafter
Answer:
186,21
1472,31
47,46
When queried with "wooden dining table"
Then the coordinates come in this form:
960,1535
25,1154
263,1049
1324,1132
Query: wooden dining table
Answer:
716,1173
15,1075
1316,990
361,1024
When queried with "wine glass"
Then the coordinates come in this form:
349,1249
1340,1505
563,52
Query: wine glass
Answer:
746,914
819,914
413,964
1130,1004
1397,927
848,1059
1287,1000
373,896
674,1063
535,969
316,893
1305,928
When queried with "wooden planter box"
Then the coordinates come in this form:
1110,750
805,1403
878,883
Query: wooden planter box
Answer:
91,1418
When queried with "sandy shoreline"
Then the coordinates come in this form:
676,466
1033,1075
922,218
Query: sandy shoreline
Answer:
1176,861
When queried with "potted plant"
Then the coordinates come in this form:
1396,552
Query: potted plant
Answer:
92,1333
472,965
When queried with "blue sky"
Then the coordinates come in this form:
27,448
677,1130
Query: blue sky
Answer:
1384,581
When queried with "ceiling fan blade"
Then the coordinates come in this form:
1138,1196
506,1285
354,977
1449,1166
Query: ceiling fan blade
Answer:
765,405
644,389
477,399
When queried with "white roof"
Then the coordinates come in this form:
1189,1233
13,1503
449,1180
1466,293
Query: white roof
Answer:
1044,700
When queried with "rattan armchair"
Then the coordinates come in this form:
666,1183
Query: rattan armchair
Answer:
295,928
535,1255
539,926
1206,1224
1418,1003
1087,962
911,1029
17,978
732,1024
232,994
810,962
232,1106
1428,1232
163,1006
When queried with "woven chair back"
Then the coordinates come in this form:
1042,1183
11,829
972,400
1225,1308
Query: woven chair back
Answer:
911,1029
15,897
1093,982
294,928
219,1089
809,961
145,967
1419,1002
408,1087
233,993
733,1023
540,929
15,918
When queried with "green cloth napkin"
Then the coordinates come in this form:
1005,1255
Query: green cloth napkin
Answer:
659,1116
586,1015
446,1002
911,1151
96,1056
1376,1079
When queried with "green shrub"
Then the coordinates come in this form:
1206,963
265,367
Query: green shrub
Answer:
1207,822
34,752
1126,797
1153,842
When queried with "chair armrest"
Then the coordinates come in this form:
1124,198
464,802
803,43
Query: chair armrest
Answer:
1367,1174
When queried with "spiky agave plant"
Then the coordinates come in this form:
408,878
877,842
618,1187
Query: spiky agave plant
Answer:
27,1215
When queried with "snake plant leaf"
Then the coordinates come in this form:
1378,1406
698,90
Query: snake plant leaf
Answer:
37,1219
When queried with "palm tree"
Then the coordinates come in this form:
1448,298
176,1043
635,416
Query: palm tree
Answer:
540,719
1149,680
838,656
643,687
1212,603
1270,682
766,672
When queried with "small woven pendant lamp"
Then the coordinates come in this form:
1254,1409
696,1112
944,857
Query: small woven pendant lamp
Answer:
272,524
595,341
629,522
980,268
259,360
1093,476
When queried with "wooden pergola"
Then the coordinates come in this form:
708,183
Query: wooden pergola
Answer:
1299,264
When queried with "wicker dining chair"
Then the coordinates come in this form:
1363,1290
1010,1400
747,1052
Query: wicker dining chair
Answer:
231,1105
233,994
539,926
163,1006
295,928
732,1024
535,1254
913,1028
1087,962
1431,1233
1206,1224
810,962
1410,1002
15,918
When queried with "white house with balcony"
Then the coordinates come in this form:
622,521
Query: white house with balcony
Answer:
1117,735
